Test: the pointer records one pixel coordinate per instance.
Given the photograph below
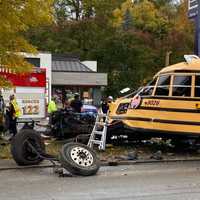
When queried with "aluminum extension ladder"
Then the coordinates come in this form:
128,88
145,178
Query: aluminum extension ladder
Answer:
98,135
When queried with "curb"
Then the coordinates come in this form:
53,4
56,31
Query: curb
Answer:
27,167
134,162
103,164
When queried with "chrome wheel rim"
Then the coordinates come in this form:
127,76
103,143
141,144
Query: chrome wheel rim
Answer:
81,156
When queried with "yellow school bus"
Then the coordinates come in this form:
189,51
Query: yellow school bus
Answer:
169,106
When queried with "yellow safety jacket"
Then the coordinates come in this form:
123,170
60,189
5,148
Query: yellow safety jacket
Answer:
52,107
16,108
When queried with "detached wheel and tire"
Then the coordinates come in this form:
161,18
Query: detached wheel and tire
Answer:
21,147
79,159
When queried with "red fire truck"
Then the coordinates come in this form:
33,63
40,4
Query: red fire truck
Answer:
27,146
30,91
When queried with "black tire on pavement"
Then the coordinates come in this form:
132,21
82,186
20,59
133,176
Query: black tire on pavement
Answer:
22,152
79,159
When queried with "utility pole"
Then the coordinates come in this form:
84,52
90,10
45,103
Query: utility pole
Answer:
167,58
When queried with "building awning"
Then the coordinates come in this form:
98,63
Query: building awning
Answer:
79,79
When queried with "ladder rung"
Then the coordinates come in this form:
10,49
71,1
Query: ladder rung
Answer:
98,132
100,123
96,141
102,115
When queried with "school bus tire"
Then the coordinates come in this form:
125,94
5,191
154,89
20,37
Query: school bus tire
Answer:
79,159
21,151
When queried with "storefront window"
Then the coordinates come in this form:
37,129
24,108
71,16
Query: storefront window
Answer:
66,93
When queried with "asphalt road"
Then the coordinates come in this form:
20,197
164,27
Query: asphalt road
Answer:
172,181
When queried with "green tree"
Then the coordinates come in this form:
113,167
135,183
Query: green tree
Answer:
75,36
146,17
84,9
16,17
128,20
61,11
128,56
125,56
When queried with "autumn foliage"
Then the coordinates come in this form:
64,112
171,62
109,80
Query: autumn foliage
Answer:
17,17
128,38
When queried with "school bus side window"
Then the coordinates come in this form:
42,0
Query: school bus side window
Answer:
197,86
148,90
182,86
162,88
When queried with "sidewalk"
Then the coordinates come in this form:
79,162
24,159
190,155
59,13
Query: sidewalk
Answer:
7,163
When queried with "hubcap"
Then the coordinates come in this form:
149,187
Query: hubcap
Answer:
81,156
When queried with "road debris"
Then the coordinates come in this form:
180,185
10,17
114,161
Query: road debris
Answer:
157,155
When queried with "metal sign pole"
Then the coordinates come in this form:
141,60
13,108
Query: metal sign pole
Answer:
197,31
196,36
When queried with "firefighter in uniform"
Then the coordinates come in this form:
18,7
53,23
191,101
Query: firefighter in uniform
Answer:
14,113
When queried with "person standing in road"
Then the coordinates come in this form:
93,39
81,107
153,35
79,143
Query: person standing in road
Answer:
52,107
14,114
2,112
105,104
2,103
76,104
67,105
